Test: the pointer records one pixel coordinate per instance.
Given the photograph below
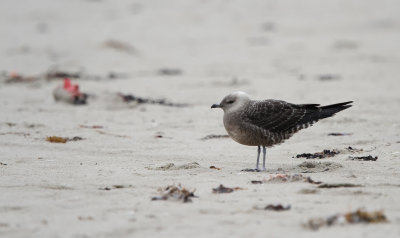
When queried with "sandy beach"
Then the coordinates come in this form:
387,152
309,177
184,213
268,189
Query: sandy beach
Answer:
192,54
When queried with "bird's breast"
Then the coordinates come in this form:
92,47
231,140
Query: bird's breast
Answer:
234,125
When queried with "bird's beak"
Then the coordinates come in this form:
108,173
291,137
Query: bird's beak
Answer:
215,106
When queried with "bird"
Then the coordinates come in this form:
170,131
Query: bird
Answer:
265,123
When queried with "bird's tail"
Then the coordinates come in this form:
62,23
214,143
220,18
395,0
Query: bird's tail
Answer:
314,112
330,110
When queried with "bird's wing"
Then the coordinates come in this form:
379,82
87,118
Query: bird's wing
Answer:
279,116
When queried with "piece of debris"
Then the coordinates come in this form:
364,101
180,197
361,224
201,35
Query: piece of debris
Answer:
213,167
120,46
208,137
177,193
92,127
285,178
364,158
172,166
58,139
1,163
115,75
118,186
256,181
169,72
223,189
340,134
278,207
250,170
316,167
328,77
319,155
106,188
69,93
316,223
359,216
111,134
57,187
32,125
56,74
338,185
139,100
353,150
282,178
307,191
309,180
159,134
14,77
16,133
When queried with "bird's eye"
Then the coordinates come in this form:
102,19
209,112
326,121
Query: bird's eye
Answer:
230,101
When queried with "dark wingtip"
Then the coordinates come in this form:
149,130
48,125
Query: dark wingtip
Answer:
342,105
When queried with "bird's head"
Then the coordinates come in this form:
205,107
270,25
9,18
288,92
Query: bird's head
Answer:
233,101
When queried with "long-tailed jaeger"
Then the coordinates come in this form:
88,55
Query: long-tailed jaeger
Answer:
264,123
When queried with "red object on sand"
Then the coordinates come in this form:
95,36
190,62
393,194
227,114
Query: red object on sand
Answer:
71,88
69,93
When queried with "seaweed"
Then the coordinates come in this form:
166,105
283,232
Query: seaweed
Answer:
52,74
117,186
353,150
58,139
177,193
222,189
338,185
213,167
140,100
250,170
364,158
256,182
319,155
328,77
358,216
278,207
340,134
14,77
282,178
361,216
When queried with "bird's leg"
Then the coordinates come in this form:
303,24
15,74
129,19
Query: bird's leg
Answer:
258,156
264,155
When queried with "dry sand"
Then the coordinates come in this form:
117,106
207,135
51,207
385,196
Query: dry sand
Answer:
303,52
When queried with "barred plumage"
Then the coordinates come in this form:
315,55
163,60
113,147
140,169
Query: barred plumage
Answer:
269,122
